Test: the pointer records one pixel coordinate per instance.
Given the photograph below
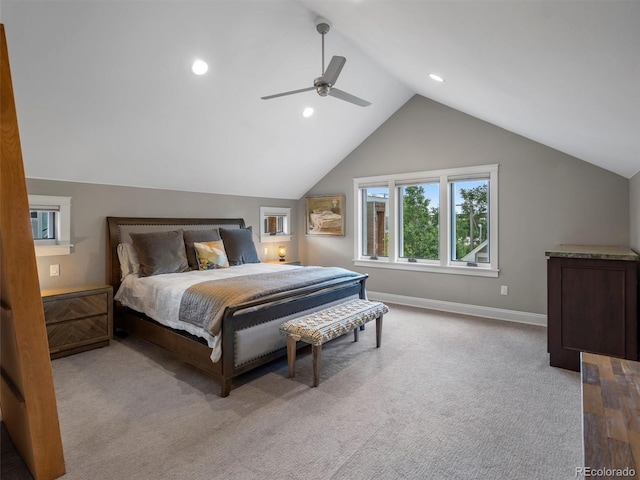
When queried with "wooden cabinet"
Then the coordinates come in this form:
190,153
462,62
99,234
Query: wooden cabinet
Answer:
78,318
592,303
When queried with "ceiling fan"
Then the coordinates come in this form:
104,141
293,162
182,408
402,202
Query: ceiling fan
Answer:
324,84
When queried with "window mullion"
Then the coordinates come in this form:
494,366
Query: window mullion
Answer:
357,219
444,221
493,218
393,221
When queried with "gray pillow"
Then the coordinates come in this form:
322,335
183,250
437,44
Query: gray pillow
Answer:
238,243
191,236
160,252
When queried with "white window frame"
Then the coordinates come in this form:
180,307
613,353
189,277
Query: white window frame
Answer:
444,264
61,206
285,213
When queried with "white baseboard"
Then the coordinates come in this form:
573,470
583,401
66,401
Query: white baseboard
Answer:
452,307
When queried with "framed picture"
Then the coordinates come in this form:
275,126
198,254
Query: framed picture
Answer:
325,215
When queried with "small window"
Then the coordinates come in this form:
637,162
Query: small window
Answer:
43,224
275,224
50,218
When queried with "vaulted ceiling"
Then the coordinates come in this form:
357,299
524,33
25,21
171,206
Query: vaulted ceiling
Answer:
105,93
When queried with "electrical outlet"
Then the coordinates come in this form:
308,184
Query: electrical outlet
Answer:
54,270
504,290
266,250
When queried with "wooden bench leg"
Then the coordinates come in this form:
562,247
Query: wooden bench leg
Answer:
316,350
291,355
379,331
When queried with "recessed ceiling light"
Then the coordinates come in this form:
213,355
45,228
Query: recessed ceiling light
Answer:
436,78
307,112
199,67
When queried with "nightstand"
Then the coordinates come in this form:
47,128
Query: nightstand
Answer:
78,318
286,262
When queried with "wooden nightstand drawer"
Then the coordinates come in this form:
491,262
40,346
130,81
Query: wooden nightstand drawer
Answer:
78,318
75,307
77,332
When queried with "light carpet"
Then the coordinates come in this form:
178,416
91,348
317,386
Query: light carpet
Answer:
445,397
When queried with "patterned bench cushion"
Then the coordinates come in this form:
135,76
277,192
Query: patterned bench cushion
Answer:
324,325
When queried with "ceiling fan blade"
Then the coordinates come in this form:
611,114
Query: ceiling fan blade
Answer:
288,93
334,92
333,70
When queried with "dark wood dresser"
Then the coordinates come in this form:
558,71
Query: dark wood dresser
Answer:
78,318
592,303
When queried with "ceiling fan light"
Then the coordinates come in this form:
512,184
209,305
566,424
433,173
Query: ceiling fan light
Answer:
199,67
307,112
436,78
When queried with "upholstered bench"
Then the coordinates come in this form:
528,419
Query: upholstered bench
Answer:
319,327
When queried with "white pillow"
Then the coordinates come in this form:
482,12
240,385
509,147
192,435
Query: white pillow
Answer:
129,263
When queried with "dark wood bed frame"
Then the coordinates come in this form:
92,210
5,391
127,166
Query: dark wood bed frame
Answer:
195,351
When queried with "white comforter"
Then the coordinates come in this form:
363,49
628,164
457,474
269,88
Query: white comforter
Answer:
159,296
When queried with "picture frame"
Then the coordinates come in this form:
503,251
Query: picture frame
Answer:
325,215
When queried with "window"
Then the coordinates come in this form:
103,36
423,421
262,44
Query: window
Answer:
438,221
418,225
469,225
43,224
375,221
50,224
275,224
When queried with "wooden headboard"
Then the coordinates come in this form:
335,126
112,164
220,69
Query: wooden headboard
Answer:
119,228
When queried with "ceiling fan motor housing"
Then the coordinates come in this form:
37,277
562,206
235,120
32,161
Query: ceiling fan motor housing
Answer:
322,25
322,88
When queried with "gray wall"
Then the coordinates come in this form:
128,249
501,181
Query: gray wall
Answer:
634,214
545,198
91,204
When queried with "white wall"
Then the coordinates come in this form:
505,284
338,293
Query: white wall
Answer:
545,198
91,204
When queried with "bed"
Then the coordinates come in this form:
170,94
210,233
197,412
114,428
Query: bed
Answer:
233,337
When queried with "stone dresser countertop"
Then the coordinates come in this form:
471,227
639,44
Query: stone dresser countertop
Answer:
593,252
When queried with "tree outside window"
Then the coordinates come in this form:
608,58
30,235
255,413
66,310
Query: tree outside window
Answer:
420,223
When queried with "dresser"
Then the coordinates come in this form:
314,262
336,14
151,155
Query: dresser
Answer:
78,318
592,303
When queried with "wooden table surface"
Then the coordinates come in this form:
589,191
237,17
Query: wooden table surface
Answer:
611,416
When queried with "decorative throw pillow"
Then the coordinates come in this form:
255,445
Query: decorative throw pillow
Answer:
211,255
191,236
238,242
129,263
160,252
